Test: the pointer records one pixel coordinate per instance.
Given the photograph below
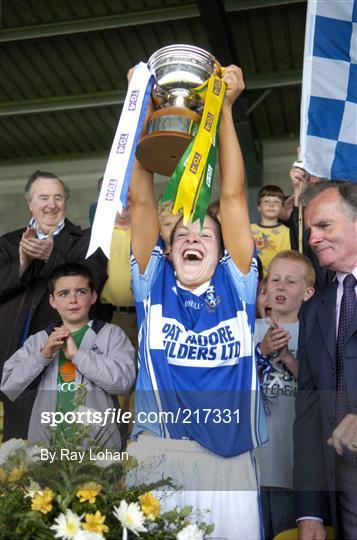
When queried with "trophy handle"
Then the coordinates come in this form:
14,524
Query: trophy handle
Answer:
159,95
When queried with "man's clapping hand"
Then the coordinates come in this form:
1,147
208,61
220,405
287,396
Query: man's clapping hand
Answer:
32,248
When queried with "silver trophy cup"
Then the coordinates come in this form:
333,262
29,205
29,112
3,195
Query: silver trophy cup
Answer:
178,70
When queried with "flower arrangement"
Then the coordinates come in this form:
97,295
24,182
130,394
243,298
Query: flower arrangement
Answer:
81,499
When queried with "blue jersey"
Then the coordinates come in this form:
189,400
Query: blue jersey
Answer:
197,375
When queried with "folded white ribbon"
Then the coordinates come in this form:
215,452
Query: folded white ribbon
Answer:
115,184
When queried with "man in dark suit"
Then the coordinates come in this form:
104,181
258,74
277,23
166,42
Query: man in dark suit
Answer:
27,257
325,430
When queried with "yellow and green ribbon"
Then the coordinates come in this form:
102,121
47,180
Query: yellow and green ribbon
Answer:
190,185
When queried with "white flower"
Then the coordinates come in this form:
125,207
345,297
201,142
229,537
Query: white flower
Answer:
67,525
88,535
33,454
130,516
33,489
9,447
191,532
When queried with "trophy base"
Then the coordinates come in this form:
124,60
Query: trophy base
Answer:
170,130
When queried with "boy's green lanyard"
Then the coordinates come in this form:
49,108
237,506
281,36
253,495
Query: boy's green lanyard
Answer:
66,378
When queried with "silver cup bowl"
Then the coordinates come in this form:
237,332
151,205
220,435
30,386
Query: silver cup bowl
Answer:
178,70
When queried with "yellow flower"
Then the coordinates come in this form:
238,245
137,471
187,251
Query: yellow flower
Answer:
3,476
150,505
16,474
42,501
95,523
88,492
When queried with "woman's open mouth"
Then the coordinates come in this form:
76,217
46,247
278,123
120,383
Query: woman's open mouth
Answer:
192,255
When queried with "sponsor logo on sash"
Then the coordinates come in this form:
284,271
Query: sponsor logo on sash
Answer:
109,196
195,162
217,87
123,139
209,121
133,100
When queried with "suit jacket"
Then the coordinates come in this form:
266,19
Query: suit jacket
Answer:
314,460
24,303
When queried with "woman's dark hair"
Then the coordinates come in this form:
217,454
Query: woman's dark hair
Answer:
213,216
214,207
260,270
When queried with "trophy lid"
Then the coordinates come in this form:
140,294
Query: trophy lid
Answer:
183,66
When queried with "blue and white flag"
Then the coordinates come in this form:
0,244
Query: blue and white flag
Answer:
328,134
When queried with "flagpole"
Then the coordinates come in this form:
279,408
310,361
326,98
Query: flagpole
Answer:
300,221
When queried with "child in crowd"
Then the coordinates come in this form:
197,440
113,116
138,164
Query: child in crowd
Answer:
167,221
263,308
270,236
290,282
74,351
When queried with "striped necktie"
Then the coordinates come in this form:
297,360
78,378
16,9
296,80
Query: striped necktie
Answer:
348,306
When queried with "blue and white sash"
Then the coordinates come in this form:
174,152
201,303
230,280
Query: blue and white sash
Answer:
116,179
